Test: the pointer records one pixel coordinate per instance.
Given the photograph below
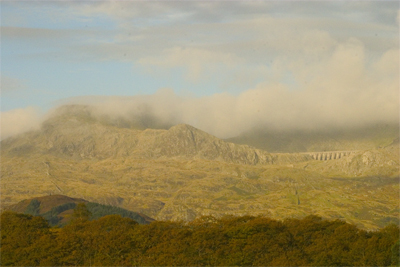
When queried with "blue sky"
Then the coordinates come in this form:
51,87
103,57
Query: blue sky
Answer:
240,53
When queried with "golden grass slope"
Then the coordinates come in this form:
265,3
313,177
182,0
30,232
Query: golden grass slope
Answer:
171,189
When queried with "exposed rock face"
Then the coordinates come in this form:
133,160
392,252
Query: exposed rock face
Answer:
188,142
78,134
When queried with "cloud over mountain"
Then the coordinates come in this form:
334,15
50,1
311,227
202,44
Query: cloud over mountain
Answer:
342,90
244,64
17,121
345,89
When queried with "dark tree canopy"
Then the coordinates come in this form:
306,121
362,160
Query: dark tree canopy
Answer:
230,241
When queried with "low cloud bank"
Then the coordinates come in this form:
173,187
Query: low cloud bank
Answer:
345,89
17,121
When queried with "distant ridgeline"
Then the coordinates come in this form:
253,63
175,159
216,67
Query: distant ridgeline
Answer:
57,209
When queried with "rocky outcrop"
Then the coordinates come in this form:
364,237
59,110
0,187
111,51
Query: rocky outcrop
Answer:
185,141
76,133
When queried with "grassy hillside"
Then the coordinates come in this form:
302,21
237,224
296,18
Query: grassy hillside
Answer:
168,189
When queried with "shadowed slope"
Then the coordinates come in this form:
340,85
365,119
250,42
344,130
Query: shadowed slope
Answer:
57,209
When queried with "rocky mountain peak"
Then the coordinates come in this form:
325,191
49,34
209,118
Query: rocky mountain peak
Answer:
184,127
74,131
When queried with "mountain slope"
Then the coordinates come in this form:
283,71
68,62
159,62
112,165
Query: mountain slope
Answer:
78,134
57,209
45,203
183,173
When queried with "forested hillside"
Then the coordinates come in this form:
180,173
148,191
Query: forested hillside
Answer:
58,209
230,241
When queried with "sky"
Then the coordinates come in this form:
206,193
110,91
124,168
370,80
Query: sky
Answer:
222,66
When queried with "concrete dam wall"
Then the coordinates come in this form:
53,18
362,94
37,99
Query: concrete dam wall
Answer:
324,155
329,155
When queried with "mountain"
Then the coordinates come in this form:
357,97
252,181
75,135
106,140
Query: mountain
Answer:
181,173
74,132
44,204
57,209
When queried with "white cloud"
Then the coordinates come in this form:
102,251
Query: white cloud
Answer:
196,61
242,41
398,16
344,88
242,38
308,65
18,121
347,91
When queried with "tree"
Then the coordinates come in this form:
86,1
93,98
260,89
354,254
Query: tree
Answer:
395,253
33,207
81,213
20,234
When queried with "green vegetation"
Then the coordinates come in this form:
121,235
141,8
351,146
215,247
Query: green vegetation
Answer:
230,241
53,217
80,214
33,207
60,214
98,210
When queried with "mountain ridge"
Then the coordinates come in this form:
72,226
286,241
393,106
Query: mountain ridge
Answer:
181,173
82,136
